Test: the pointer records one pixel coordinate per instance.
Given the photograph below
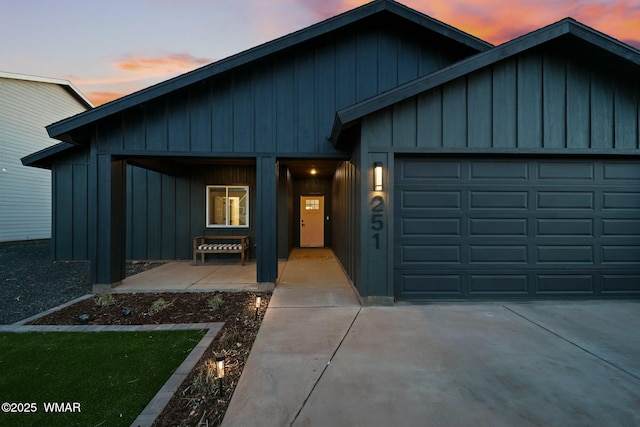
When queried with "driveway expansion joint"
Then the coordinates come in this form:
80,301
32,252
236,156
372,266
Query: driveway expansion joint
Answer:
589,352
326,366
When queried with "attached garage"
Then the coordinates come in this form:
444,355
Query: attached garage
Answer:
512,227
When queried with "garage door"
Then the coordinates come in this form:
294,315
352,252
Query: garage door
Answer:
508,228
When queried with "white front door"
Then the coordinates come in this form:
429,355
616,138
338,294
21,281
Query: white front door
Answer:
312,221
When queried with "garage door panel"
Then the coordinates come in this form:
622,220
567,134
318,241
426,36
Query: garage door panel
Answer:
498,254
561,227
571,171
627,201
414,284
623,254
564,254
419,170
490,170
565,200
516,228
565,283
498,200
430,227
412,199
498,283
430,254
621,227
620,283
625,171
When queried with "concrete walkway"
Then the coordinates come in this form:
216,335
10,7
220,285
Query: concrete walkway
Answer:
322,360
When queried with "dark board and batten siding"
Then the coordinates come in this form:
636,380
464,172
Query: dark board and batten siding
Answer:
70,209
346,214
534,102
283,104
164,213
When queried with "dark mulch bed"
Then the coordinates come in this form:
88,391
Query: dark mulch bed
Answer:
197,402
31,282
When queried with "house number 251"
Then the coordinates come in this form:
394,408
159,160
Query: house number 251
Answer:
377,218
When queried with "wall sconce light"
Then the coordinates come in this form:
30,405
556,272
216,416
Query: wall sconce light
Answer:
258,301
377,176
220,370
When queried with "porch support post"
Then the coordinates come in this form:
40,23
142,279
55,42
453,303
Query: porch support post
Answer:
266,222
107,234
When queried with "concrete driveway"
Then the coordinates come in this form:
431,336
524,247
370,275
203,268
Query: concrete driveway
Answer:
326,361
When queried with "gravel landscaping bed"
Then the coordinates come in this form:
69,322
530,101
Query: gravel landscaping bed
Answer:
30,282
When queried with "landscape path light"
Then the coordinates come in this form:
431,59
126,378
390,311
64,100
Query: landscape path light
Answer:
258,301
220,371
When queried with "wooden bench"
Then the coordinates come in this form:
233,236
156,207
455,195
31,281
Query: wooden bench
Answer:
220,245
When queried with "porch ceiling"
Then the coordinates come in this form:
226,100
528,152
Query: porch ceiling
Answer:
299,168
302,168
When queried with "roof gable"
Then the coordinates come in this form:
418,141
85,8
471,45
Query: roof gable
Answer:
74,91
567,32
61,129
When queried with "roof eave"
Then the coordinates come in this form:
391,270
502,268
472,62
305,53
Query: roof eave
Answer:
42,158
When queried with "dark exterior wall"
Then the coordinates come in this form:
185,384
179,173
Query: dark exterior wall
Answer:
346,219
165,213
284,103
70,206
536,102
285,212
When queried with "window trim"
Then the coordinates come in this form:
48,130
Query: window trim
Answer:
226,188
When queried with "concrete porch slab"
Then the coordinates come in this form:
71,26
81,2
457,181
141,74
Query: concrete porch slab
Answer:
181,276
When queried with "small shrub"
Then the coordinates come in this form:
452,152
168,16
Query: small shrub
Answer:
104,300
215,302
206,376
157,306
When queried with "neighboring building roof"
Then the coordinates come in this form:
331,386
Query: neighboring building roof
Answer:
601,45
61,129
74,91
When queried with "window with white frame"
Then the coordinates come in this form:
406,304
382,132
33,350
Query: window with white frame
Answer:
227,206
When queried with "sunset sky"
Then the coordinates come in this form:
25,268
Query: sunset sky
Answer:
109,49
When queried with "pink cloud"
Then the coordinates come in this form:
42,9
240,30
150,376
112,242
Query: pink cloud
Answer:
175,63
99,97
497,22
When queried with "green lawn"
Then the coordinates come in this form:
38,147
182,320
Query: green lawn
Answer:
109,376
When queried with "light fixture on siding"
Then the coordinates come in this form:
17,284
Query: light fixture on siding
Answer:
377,176
314,171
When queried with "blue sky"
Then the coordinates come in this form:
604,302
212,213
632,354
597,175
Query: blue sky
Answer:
110,48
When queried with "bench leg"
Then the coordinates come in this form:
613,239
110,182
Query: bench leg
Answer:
195,258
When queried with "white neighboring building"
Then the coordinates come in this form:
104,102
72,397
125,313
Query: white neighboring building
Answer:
27,105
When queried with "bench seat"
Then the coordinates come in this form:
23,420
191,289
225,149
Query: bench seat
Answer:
220,245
